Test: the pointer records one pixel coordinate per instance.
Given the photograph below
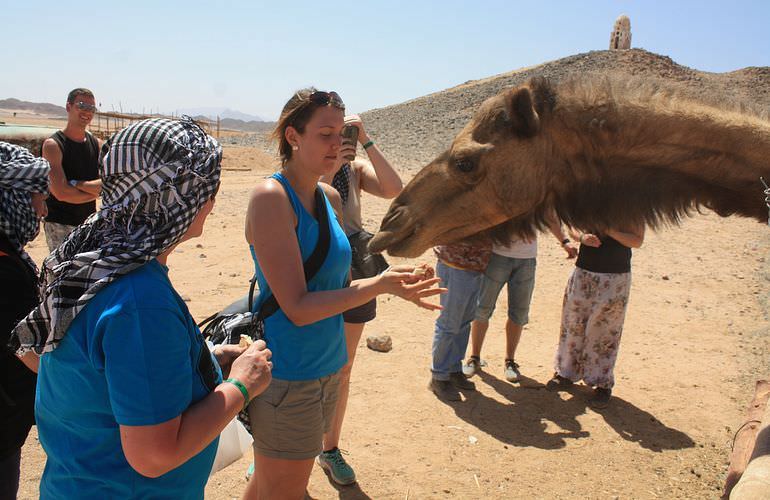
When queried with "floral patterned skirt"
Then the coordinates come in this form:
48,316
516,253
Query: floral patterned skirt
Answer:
591,324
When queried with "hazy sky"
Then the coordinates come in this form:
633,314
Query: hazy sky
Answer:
251,56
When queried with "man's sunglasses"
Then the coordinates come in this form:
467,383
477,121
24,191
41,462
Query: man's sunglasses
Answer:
84,106
326,99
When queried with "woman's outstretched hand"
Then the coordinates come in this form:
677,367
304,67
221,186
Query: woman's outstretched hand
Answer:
413,283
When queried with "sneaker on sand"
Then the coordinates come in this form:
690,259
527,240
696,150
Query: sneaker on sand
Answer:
460,382
558,383
250,471
444,389
512,372
334,463
601,398
472,366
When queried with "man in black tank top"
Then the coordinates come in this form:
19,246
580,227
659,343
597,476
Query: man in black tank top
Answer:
74,155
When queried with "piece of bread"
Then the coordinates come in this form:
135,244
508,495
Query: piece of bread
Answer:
245,341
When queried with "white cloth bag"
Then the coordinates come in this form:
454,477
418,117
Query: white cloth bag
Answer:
233,443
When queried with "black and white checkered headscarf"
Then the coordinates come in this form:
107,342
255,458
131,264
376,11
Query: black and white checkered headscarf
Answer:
156,175
341,182
21,174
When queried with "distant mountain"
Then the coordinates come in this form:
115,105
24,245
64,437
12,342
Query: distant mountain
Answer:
212,113
42,108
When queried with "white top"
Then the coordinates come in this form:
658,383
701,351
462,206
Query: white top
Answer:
517,249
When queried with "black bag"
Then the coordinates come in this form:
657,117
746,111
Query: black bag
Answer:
364,264
227,326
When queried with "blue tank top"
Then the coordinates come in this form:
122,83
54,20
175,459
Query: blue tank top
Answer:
316,350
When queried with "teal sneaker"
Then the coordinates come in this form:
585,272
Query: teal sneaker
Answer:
339,470
250,471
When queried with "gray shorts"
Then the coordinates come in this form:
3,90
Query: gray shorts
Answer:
519,275
289,419
55,233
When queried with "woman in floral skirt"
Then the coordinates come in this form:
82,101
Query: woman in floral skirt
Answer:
594,310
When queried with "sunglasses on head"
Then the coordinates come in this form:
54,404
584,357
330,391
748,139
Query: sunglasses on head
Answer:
84,106
326,99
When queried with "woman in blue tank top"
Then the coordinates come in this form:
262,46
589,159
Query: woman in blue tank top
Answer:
305,335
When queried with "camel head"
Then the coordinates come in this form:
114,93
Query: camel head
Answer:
599,152
470,187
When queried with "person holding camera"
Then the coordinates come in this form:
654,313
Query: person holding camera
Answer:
380,179
290,215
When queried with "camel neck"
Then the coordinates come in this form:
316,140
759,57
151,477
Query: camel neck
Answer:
689,138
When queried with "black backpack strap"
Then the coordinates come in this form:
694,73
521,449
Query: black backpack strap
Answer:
316,259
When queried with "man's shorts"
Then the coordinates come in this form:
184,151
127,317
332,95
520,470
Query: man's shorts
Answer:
519,274
290,418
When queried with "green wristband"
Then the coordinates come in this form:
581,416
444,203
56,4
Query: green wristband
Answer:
368,145
237,383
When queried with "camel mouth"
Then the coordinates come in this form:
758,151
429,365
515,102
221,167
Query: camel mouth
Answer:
413,242
390,241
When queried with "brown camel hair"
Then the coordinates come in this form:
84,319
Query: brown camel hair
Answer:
601,152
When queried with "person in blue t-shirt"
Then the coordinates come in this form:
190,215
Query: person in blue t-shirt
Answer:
306,334
130,402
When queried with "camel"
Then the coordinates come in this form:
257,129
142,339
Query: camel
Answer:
601,152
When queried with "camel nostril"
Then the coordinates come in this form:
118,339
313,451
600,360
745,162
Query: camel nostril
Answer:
395,213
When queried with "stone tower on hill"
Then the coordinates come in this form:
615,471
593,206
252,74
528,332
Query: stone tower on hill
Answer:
620,38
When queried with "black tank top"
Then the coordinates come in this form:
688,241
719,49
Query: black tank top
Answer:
80,161
610,257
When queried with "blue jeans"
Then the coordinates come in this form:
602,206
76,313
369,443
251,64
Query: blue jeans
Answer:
454,322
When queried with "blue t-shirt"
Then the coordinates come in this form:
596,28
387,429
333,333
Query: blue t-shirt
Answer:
132,356
318,349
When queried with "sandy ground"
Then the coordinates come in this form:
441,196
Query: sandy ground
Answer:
695,340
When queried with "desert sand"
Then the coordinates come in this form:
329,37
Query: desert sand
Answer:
695,340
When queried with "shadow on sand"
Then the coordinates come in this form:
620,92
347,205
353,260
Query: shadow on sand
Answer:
349,492
524,419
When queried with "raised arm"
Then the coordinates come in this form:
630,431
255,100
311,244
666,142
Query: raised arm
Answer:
379,178
554,225
632,238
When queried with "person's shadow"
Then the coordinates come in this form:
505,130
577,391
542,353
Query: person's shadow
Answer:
524,420
349,492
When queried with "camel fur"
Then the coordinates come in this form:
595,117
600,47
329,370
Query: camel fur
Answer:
601,152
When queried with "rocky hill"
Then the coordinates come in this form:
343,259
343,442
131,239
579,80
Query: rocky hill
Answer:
414,132
42,108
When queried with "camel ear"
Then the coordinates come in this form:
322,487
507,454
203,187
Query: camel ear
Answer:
521,112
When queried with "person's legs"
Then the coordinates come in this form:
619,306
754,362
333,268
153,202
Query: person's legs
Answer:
478,333
452,328
9,475
604,329
353,333
576,306
341,472
512,337
55,234
492,282
278,479
521,284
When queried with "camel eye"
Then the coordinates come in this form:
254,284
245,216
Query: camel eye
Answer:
464,165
